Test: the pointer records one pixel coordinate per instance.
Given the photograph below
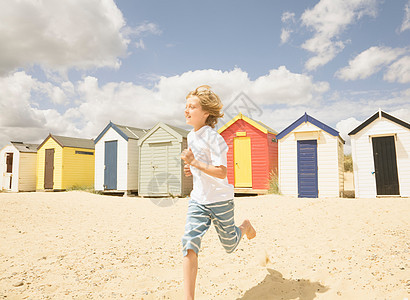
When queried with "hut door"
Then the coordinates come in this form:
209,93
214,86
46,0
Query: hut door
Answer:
8,176
385,165
158,184
49,169
307,169
242,162
110,165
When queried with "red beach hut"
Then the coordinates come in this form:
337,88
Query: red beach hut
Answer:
252,154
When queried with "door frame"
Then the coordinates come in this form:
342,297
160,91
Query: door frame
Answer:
378,177
8,176
235,162
109,170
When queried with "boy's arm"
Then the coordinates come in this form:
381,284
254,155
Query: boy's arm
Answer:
215,171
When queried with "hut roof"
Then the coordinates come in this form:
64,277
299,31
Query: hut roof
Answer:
177,132
306,118
374,117
65,141
25,147
127,132
257,124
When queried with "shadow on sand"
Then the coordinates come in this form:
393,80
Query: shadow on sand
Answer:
274,286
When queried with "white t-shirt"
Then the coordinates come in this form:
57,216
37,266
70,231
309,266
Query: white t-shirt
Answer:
208,146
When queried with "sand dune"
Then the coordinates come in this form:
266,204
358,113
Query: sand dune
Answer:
81,245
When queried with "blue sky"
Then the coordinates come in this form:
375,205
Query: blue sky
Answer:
69,68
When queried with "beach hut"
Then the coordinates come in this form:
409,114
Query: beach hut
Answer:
310,159
381,157
252,155
116,158
18,167
161,169
65,162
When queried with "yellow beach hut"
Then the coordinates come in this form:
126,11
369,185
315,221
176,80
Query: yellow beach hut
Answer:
65,162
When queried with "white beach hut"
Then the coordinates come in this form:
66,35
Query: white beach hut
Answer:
381,157
161,169
18,167
116,158
310,159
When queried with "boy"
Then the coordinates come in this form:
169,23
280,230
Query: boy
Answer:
212,195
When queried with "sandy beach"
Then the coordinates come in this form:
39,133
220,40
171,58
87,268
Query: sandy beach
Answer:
79,245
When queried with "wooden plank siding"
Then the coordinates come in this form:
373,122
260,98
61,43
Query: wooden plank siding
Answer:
27,172
362,154
78,169
329,160
4,164
341,158
187,183
288,179
171,175
263,153
122,152
132,165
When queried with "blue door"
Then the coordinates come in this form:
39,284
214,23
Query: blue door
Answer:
307,169
110,166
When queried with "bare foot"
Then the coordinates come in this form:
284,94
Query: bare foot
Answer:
248,229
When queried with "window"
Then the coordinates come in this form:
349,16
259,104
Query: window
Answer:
9,162
84,152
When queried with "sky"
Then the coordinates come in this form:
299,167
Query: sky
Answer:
70,67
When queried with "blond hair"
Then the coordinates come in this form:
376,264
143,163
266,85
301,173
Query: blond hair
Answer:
210,103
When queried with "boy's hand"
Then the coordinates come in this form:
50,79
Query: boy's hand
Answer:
187,170
187,156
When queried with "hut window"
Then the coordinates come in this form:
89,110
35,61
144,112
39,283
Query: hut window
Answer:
84,152
9,162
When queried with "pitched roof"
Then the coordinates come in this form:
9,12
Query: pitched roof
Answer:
374,117
132,132
177,132
181,131
257,124
65,141
306,118
127,132
25,147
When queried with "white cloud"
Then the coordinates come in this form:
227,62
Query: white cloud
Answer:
284,87
399,71
345,127
285,35
369,62
289,19
406,20
288,16
140,44
134,105
328,19
147,28
61,34
281,95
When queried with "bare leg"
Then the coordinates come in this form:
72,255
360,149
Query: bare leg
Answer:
190,266
247,228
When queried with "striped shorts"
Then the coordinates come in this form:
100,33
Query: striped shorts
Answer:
199,219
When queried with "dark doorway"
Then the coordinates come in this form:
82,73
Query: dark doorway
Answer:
385,165
49,169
